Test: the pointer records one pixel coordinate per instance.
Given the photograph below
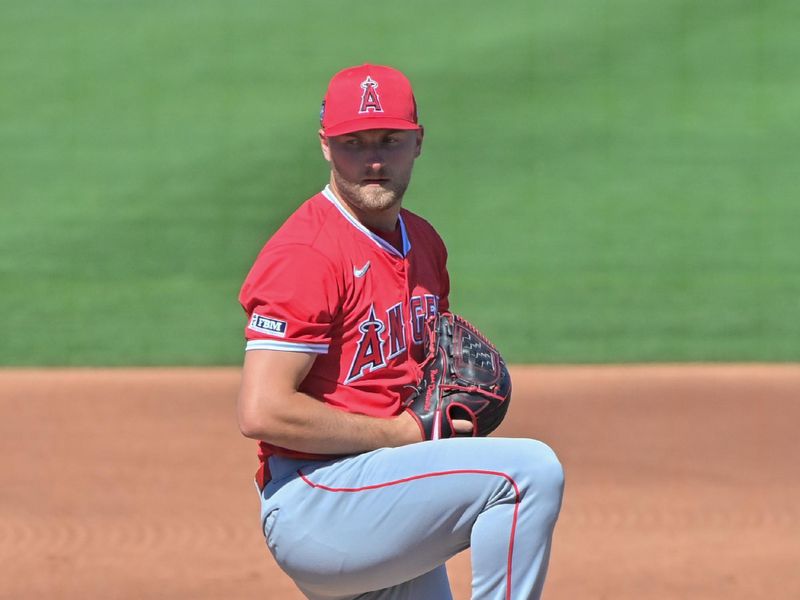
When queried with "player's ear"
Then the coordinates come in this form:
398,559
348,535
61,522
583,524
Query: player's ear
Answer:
420,135
326,148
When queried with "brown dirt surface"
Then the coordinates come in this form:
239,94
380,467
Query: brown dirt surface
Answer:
682,482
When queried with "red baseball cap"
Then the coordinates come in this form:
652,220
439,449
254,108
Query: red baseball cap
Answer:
368,97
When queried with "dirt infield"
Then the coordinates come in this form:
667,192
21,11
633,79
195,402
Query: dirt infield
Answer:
682,482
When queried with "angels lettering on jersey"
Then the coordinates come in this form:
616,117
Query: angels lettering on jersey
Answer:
385,338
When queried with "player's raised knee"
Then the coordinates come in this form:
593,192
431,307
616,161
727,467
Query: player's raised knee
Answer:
543,467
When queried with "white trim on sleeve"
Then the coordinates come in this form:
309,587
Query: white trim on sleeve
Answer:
286,346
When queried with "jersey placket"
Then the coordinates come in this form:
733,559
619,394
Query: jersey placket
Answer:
402,266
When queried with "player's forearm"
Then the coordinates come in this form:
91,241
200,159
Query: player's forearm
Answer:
299,422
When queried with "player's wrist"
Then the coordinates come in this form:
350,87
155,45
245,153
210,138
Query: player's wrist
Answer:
410,430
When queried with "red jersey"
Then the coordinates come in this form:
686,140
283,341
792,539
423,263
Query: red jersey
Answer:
326,284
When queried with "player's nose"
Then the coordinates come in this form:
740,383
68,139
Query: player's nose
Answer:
375,159
375,162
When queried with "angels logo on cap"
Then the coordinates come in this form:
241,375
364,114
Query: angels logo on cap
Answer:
368,97
370,101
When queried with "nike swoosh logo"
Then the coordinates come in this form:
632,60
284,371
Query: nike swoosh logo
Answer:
362,271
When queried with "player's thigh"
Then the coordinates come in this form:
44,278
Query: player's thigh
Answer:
345,534
474,463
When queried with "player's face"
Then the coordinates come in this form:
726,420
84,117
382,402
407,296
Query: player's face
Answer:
370,170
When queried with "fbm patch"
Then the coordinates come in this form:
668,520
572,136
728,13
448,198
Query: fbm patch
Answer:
268,325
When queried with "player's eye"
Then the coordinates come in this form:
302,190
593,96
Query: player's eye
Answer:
349,142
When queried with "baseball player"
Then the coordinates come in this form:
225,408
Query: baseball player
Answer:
354,504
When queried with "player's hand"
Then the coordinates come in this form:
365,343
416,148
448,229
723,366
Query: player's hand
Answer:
411,431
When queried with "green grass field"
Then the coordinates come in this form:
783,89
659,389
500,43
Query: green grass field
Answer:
616,180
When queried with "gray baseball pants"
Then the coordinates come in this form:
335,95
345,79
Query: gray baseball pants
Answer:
380,525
